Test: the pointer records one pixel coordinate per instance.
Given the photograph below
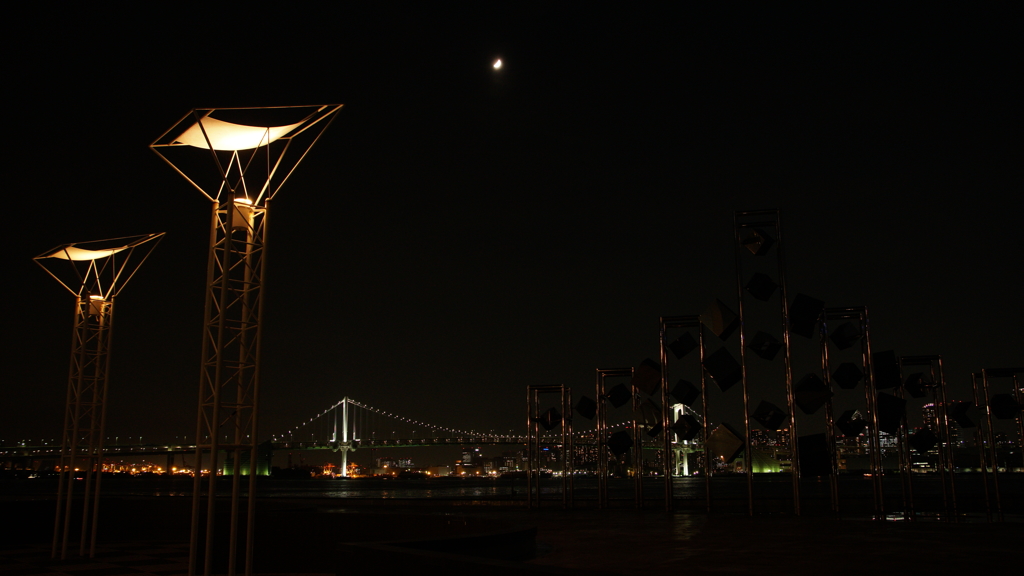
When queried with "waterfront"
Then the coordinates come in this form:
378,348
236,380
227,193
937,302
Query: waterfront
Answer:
772,492
317,535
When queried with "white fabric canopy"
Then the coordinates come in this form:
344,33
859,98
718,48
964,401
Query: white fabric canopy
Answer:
72,253
228,136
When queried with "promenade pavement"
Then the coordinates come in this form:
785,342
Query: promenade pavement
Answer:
328,537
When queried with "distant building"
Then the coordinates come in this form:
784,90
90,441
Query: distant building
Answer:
439,471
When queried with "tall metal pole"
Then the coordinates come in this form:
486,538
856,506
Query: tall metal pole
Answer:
601,431
530,446
637,453
947,440
568,451
236,268
794,444
98,271
871,398
903,443
992,442
830,429
752,220
666,432
82,442
533,449
668,322
706,424
940,425
979,442
229,379
747,451
1018,394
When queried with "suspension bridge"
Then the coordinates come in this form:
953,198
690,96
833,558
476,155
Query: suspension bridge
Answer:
351,421
345,426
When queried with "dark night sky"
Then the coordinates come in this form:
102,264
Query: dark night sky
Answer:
459,234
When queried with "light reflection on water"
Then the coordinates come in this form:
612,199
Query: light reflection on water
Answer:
855,491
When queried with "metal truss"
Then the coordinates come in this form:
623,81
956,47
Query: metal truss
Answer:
251,161
254,152
534,419
229,380
98,271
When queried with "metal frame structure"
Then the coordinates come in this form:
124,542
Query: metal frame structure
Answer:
601,431
941,423
979,442
903,452
99,271
830,418
252,163
533,415
987,435
742,221
860,315
669,322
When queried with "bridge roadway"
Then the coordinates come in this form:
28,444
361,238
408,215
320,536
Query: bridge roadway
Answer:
26,454
13,453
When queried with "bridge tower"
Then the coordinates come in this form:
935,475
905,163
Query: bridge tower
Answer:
99,270
345,445
254,151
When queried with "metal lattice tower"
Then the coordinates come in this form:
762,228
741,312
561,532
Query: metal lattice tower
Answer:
97,272
254,151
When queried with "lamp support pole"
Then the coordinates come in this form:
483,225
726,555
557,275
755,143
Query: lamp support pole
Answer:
84,419
100,269
252,164
228,412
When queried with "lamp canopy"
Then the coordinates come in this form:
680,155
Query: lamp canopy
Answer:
98,268
209,133
253,150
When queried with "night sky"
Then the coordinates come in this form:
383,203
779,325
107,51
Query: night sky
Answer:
460,233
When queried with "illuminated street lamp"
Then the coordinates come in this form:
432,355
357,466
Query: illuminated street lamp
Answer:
254,151
97,272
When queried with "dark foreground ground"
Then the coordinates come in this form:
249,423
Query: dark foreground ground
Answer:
148,535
